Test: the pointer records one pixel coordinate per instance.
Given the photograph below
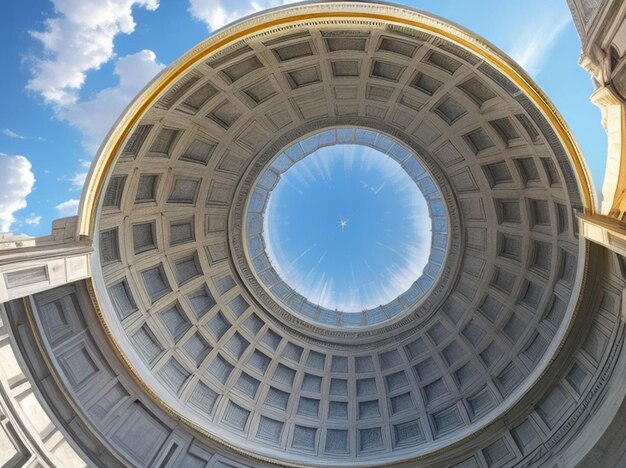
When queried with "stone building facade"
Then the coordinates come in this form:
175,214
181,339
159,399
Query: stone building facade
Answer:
152,330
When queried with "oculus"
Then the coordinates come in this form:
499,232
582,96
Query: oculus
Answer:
353,227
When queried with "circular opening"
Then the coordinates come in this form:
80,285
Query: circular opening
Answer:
347,228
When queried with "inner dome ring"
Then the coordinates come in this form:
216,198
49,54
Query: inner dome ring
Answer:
264,265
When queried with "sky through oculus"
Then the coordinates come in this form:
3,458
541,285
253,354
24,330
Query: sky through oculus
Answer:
347,228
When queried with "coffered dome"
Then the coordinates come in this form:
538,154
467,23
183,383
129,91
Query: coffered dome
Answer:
190,298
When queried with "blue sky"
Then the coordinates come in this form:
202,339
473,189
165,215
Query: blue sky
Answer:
72,65
348,228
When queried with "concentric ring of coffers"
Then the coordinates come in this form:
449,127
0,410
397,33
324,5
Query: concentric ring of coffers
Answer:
256,240
393,321
170,280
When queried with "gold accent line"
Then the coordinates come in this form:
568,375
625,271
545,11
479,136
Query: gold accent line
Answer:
89,201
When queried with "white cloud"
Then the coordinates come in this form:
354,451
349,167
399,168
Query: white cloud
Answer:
94,117
17,183
79,39
217,13
68,207
11,134
534,38
78,180
76,41
33,219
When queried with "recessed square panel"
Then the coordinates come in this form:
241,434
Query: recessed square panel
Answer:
109,246
304,76
261,91
114,191
123,300
184,191
396,46
182,231
335,44
164,142
442,61
293,51
147,188
199,151
477,90
156,283
135,142
478,140
175,321
239,70
426,84
345,68
187,268
225,114
387,70
199,97
144,237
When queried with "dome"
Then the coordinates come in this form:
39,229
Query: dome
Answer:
192,301
171,327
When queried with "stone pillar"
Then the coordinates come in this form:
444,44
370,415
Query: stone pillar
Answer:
613,119
601,25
